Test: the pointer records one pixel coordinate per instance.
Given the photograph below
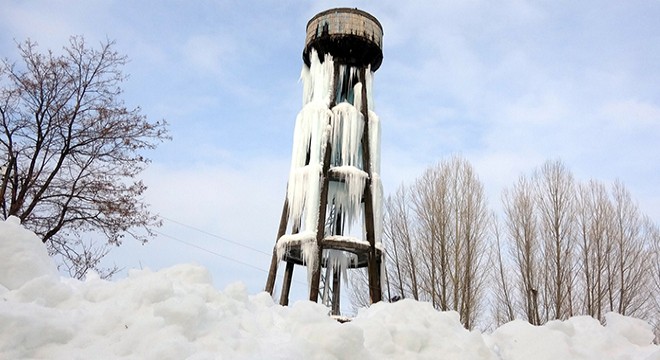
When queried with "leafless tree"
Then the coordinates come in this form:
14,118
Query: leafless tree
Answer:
556,210
72,151
564,248
503,303
594,213
629,268
436,237
654,236
522,230
398,232
430,205
576,249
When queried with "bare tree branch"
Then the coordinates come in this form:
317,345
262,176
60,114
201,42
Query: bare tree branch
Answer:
73,150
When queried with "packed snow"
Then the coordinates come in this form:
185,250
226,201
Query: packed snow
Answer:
176,313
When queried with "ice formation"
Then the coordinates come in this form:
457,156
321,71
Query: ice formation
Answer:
332,119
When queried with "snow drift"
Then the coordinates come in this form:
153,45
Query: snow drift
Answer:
176,313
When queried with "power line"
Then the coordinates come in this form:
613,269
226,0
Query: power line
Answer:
214,235
216,253
209,251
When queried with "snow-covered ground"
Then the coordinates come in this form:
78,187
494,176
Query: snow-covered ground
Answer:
177,314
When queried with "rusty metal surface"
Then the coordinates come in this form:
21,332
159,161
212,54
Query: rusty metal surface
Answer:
352,36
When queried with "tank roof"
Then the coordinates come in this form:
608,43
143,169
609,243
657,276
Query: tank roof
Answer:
346,10
352,36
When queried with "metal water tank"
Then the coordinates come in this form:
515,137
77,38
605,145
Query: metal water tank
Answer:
353,37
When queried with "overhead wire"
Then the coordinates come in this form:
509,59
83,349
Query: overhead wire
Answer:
214,235
212,252
208,250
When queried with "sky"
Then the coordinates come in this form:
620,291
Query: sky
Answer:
506,84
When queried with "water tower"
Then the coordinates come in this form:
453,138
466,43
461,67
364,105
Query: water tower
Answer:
334,190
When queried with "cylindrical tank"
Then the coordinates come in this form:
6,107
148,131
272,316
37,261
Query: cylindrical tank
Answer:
353,37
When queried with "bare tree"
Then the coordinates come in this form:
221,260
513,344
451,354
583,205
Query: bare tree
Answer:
556,206
654,284
565,248
503,303
522,230
72,151
398,232
470,243
436,237
576,249
594,214
431,209
629,267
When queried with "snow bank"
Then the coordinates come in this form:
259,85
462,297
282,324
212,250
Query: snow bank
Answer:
177,314
23,257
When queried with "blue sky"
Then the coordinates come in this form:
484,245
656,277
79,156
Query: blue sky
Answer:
506,84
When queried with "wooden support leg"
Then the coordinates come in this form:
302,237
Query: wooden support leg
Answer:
272,273
320,228
336,294
323,203
373,261
286,283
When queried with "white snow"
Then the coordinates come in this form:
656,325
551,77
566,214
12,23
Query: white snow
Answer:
176,313
29,258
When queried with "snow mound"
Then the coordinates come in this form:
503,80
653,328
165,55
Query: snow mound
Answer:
23,257
176,313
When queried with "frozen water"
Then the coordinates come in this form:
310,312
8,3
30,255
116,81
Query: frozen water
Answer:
332,118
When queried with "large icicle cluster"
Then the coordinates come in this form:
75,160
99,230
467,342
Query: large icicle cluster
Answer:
331,114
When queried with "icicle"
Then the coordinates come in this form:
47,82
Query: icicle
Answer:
309,251
355,95
317,79
311,134
369,76
357,101
377,197
347,130
309,138
374,141
347,194
339,260
305,77
308,248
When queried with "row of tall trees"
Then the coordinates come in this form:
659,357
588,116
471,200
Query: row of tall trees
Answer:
436,233
558,248
568,248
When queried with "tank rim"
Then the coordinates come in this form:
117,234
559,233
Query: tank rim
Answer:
346,10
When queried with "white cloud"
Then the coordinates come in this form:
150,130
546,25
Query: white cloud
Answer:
632,115
508,85
209,54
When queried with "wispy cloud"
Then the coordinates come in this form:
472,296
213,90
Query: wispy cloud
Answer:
507,84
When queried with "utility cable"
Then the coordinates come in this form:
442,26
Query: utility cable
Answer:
208,251
214,235
216,253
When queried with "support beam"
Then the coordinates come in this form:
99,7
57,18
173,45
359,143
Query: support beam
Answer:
323,198
286,283
373,263
320,228
272,273
336,292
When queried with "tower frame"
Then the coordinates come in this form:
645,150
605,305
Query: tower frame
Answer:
348,43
